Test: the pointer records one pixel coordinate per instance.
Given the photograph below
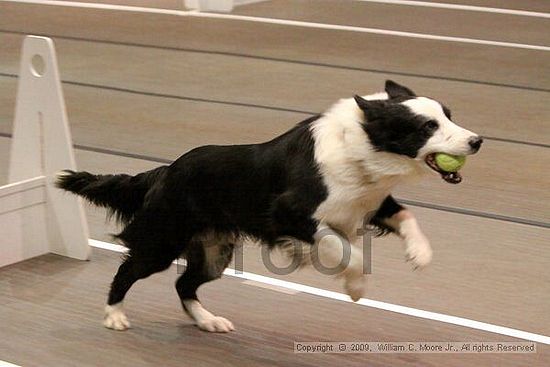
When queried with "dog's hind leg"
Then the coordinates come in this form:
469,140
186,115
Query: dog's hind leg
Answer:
206,261
151,250
136,266
335,255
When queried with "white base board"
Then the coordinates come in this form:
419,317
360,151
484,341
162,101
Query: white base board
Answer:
22,219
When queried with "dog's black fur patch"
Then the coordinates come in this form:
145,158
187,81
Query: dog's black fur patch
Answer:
265,191
388,208
392,127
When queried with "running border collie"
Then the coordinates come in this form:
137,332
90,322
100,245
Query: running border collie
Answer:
325,175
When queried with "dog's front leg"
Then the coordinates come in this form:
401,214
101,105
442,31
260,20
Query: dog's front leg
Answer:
337,256
396,218
417,246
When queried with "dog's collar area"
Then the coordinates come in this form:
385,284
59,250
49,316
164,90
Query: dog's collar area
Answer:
450,177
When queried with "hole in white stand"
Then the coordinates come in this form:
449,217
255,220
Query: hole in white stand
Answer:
38,66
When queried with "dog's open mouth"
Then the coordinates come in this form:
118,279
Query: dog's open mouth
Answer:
450,177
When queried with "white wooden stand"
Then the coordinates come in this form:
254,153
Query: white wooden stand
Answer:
35,217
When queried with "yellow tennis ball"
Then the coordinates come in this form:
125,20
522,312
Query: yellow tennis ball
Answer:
449,162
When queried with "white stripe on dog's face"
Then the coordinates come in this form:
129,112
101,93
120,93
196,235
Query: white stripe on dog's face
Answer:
447,137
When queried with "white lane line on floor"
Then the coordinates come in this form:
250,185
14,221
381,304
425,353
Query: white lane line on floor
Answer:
483,9
294,23
428,315
107,245
267,286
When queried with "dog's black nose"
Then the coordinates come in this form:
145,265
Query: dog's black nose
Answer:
475,143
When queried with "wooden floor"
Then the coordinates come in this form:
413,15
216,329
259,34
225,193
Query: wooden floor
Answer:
58,303
141,89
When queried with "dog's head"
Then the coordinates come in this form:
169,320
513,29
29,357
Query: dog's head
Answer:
415,127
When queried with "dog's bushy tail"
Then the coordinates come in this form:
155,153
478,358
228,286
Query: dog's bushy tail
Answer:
122,195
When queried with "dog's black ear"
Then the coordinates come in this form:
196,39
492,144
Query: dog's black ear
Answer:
372,109
395,90
362,102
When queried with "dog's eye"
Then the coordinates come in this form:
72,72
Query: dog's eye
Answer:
430,125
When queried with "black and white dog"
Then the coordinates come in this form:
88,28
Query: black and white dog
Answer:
325,175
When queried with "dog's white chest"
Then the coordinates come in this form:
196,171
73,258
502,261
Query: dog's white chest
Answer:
348,208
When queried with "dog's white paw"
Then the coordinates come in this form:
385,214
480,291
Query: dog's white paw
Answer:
419,252
356,287
115,318
216,324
